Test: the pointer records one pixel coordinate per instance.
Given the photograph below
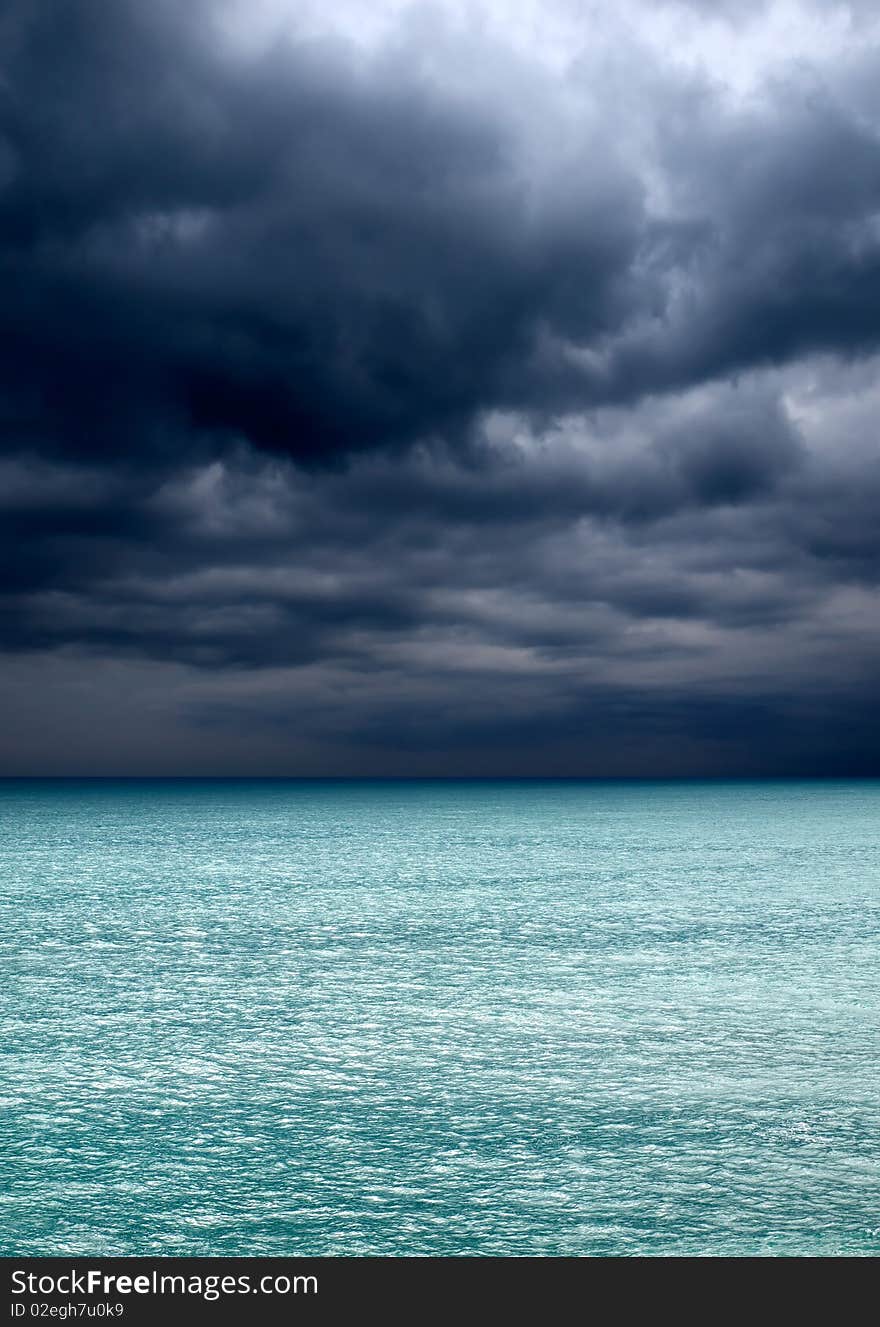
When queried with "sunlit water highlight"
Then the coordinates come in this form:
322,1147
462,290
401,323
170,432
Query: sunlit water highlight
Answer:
440,1018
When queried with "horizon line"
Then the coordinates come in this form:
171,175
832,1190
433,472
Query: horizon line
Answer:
439,778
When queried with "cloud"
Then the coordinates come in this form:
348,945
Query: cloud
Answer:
440,394
322,253
448,610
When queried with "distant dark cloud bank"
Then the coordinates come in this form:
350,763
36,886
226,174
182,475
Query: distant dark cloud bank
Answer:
440,389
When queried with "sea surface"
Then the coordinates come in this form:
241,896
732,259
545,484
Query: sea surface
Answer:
442,1018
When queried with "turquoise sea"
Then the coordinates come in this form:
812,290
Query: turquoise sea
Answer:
469,1018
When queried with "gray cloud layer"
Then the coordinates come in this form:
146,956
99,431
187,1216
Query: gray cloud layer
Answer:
426,409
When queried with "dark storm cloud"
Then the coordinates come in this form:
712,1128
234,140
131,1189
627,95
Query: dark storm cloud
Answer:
248,562
363,416
713,513
791,260
294,251
322,255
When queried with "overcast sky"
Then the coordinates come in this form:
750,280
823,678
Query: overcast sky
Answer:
457,388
